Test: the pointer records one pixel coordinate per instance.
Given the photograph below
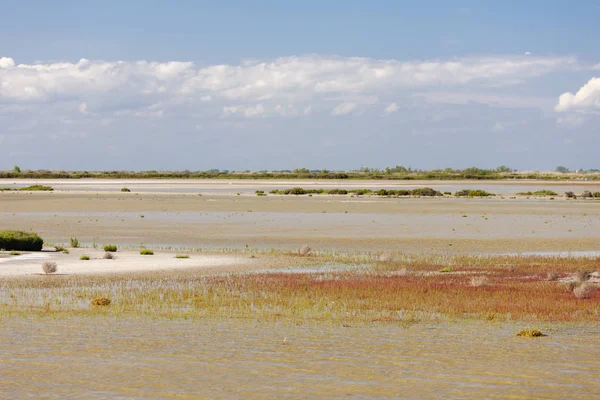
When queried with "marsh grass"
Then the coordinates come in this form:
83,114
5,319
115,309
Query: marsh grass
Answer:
530,333
380,292
84,258
182,256
110,247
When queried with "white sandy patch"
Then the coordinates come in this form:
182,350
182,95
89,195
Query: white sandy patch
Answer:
124,261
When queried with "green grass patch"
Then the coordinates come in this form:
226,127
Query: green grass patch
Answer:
110,247
146,252
84,258
473,193
538,193
182,256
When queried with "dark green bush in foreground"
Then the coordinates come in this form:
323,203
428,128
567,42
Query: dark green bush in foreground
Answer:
19,240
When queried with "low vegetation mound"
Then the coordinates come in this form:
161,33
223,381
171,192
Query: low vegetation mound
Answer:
530,333
358,192
32,188
20,241
110,247
49,267
146,252
538,193
473,193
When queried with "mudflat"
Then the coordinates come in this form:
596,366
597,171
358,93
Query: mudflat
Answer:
211,215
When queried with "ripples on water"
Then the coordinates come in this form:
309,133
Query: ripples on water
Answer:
105,358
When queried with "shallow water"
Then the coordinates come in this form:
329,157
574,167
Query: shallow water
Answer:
105,358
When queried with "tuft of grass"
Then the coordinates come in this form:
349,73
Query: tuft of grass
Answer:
49,267
101,301
182,256
552,276
146,252
110,247
74,242
84,258
530,333
446,269
15,253
20,241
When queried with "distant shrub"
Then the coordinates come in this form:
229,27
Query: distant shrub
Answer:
34,188
74,242
126,190
570,195
182,256
146,252
305,251
538,193
530,333
110,247
101,301
15,253
586,194
108,256
473,193
337,191
426,192
596,195
20,241
62,249
49,267
84,258
260,193
446,270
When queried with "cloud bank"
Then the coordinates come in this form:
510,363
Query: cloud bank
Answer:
283,86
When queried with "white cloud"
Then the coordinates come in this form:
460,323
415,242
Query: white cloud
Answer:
83,108
343,109
587,98
251,111
571,120
392,108
290,78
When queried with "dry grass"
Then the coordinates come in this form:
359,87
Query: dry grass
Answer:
109,256
478,281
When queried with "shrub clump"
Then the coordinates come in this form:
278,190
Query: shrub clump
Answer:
126,190
473,193
146,252
110,247
84,258
101,301
108,256
305,251
583,291
74,242
530,333
34,188
49,267
182,256
20,241
544,192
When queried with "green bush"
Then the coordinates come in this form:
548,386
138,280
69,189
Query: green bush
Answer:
146,252
84,258
20,241
74,242
110,247
126,190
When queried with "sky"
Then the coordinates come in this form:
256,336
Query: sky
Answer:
240,85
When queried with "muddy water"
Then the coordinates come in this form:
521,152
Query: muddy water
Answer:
96,358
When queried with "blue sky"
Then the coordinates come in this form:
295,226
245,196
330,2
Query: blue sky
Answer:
318,84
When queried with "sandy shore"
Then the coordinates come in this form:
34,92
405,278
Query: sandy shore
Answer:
124,261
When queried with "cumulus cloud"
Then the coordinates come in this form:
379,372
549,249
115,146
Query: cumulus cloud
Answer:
392,108
343,109
587,98
282,78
